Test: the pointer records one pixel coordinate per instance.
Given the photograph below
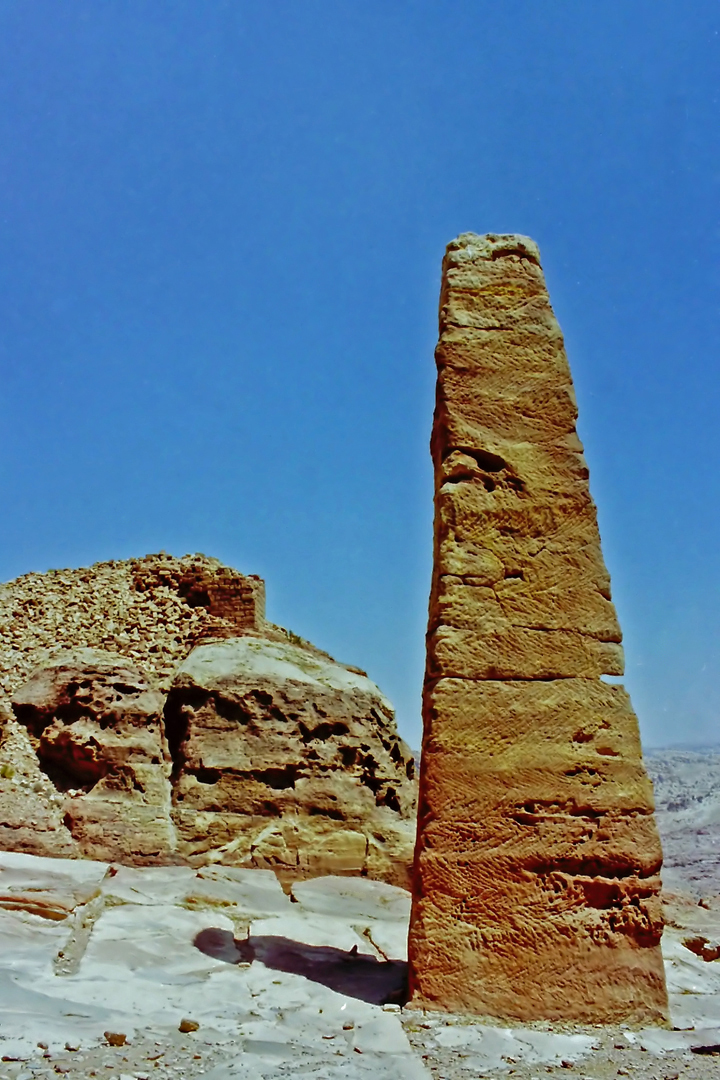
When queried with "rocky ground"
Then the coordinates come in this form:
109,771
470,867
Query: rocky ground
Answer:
218,973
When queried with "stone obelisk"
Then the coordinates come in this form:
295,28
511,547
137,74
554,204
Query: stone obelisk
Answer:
536,887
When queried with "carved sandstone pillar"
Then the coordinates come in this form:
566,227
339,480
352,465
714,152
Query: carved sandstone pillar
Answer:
536,891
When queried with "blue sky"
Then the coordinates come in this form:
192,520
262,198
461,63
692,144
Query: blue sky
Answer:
221,227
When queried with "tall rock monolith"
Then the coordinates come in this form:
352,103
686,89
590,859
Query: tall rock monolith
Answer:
536,882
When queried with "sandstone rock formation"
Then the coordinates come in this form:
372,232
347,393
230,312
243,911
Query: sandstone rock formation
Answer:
537,863
120,740
151,611
288,760
98,732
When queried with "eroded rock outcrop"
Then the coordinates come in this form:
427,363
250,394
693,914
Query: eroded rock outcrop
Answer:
151,611
288,760
97,729
536,891
183,728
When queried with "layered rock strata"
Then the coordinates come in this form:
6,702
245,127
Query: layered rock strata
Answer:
287,760
97,729
536,885
151,715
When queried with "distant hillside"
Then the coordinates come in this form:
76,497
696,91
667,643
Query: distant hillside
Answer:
687,796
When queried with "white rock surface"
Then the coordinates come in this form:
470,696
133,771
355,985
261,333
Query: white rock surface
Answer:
255,656
127,938
141,973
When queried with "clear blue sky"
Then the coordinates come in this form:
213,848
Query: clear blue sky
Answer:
221,233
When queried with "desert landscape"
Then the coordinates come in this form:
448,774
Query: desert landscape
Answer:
359,622
217,858
161,971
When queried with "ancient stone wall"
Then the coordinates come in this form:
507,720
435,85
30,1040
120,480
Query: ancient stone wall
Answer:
536,890
151,610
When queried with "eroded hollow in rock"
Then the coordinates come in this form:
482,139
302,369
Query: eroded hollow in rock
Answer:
92,717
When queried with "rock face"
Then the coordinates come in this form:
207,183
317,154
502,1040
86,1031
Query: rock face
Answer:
98,732
251,749
536,888
288,760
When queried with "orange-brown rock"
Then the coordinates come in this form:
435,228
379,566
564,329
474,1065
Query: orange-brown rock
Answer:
151,611
536,882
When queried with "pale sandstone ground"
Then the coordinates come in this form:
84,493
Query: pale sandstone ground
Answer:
122,959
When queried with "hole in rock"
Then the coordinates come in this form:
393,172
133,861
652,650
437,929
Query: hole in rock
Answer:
327,811
207,776
232,711
178,712
65,778
323,731
368,778
486,460
390,799
583,736
194,595
278,778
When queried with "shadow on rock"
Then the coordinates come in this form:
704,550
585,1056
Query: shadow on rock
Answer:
376,981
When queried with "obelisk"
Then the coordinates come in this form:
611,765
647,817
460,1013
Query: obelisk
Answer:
536,884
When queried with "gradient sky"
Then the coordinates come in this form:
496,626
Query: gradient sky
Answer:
221,232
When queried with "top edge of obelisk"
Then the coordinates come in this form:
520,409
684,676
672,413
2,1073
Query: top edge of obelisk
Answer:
469,247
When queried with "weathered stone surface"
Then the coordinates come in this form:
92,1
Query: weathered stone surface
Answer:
151,611
99,736
536,875
287,760
275,756
280,988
